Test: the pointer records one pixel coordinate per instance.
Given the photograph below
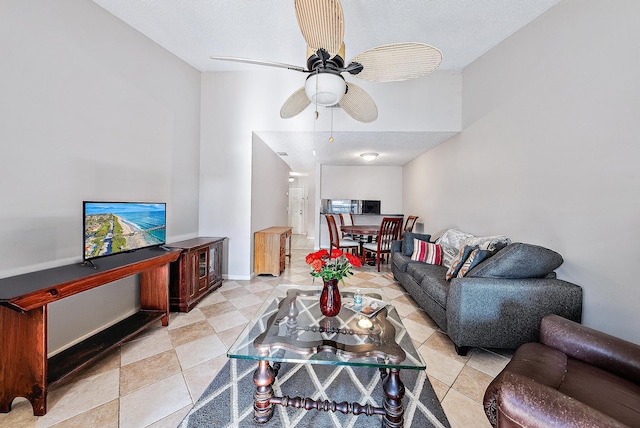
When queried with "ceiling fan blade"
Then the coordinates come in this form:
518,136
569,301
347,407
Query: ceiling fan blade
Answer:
260,62
358,104
294,105
321,23
398,61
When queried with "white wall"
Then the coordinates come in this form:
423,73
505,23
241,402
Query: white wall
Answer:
269,187
90,110
548,153
379,183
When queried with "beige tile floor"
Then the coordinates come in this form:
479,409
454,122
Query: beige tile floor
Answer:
153,380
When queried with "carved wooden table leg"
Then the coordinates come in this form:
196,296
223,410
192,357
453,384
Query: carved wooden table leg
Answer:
394,392
263,378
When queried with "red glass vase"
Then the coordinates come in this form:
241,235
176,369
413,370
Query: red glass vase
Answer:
330,302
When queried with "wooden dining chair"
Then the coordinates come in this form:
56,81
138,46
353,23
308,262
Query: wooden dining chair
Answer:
389,231
348,220
345,221
334,237
408,226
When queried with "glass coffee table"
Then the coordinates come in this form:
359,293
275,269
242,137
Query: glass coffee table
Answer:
289,328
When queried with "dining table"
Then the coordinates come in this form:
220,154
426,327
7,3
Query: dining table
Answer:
361,229
368,230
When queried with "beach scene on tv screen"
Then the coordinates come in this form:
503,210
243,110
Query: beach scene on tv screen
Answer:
116,227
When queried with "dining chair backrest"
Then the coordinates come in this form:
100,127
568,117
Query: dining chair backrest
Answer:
334,238
346,220
389,231
411,221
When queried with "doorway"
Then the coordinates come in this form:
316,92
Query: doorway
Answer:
296,210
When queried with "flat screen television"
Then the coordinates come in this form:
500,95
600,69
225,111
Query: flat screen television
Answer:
117,227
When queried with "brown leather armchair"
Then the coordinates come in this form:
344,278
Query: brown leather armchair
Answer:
575,377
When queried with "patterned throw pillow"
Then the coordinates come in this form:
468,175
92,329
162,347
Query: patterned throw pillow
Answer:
457,263
473,260
491,243
452,240
426,252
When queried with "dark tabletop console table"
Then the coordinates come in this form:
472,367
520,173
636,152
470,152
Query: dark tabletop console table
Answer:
25,370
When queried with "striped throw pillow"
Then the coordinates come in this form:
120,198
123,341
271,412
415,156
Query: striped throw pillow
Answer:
426,252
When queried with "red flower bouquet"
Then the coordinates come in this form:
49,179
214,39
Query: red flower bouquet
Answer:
336,265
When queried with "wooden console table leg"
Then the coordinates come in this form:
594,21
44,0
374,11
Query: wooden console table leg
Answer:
154,291
23,358
394,392
263,378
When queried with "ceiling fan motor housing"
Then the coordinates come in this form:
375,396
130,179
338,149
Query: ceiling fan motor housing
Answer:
325,87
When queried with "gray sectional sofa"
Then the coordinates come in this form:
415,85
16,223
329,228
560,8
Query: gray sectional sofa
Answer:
497,304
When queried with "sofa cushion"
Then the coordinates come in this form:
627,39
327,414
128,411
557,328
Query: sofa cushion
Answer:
519,260
474,259
426,252
419,270
431,279
400,261
457,263
452,240
407,244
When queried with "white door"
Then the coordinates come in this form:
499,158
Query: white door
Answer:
296,209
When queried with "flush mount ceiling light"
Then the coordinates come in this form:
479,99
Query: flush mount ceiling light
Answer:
369,156
325,88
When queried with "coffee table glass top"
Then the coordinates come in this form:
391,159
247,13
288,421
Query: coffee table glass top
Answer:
289,327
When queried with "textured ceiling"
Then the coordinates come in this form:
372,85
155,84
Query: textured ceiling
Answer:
393,148
193,30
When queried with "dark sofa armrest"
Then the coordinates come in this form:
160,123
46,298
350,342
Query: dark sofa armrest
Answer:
600,349
396,246
505,313
521,401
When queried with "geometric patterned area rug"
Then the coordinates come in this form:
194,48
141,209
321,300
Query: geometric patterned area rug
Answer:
228,400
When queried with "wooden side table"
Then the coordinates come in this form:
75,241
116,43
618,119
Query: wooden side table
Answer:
272,247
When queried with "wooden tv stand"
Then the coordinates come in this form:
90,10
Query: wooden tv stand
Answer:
25,370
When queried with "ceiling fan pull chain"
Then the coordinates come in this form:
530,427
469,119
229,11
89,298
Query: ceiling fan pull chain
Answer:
331,136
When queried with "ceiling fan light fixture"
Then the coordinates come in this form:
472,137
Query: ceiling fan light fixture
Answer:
325,89
369,156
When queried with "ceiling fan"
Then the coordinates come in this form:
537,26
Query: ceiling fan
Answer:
322,26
